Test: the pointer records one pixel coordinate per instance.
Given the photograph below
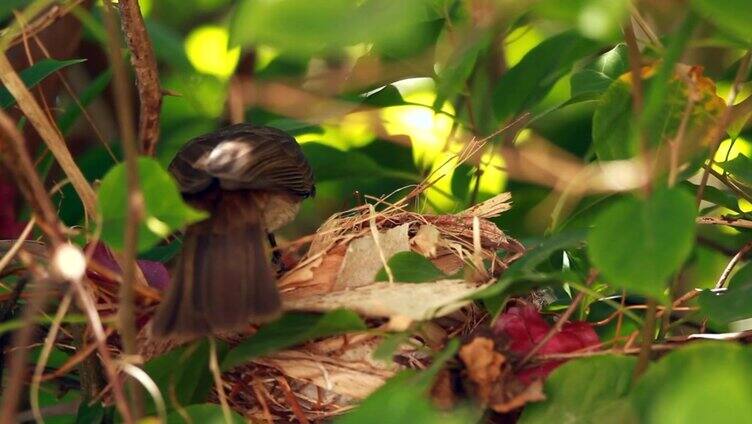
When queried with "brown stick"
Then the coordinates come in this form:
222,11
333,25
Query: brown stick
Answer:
49,133
19,162
147,78
126,313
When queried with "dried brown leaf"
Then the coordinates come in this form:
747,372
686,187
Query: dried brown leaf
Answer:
484,365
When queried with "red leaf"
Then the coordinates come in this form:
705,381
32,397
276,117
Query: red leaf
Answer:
155,272
524,327
10,228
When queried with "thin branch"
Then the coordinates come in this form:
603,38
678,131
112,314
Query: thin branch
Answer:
732,263
718,131
648,333
126,313
48,132
147,79
635,68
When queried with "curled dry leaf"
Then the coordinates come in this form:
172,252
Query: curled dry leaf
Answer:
426,241
483,364
491,376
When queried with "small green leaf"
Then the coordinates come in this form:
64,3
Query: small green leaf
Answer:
740,167
637,244
290,330
730,16
588,390
386,96
733,304
411,267
598,76
528,82
207,413
389,344
705,382
165,209
90,414
34,75
613,125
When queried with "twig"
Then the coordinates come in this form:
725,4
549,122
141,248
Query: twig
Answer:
126,313
147,78
48,132
561,321
716,133
732,263
724,220
648,333
290,397
217,376
635,68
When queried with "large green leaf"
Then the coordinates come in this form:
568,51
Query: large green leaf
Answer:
207,413
595,78
613,124
588,390
34,75
165,209
528,82
329,163
290,330
707,382
730,16
411,267
740,167
637,244
306,27
733,304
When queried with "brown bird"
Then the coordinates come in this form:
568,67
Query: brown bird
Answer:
251,180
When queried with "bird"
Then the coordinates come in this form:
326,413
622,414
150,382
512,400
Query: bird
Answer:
251,180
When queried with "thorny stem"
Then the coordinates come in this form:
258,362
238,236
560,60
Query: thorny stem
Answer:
126,313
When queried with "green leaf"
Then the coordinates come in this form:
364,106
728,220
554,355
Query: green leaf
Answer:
403,399
386,96
730,16
528,82
528,266
599,19
454,74
183,372
165,209
706,382
740,167
208,413
91,92
290,330
613,125
389,344
637,244
411,267
595,78
588,390
329,163
733,304
306,27
90,414
34,75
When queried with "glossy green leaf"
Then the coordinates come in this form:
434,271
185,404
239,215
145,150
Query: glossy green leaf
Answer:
733,304
411,267
525,84
589,390
740,167
730,16
329,163
164,206
706,382
207,413
290,330
34,75
637,244
595,78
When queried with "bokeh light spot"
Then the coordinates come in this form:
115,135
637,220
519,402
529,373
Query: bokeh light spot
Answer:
207,51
